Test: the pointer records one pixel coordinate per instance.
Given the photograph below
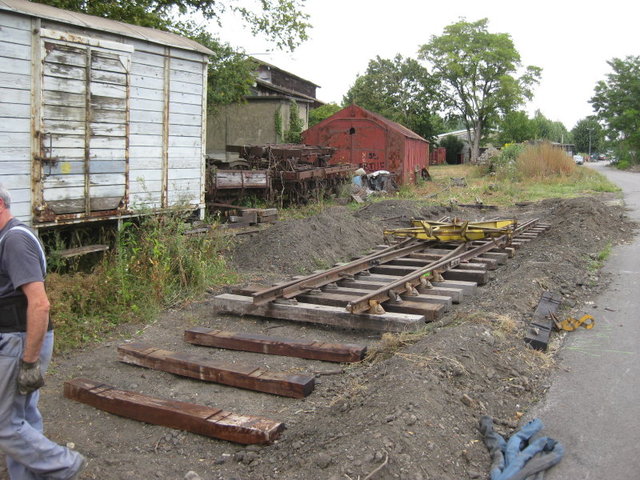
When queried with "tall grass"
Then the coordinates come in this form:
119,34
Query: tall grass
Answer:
154,265
544,161
521,173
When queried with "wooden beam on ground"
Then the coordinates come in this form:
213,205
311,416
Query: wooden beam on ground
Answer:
248,377
500,258
422,297
431,311
208,421
489,263
415,262
453,293
321,314
478,276
469,288
251,342
79,251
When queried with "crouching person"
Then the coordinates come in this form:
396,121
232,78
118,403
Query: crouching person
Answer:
26,345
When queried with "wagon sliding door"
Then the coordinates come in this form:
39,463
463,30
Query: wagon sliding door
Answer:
84,126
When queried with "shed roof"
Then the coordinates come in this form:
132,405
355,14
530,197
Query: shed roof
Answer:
274,67
103,24
287,91
353,108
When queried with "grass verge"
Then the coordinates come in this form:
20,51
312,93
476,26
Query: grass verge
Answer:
533,174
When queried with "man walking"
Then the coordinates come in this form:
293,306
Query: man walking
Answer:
26,345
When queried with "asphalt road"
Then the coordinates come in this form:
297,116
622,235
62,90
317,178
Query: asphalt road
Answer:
593,405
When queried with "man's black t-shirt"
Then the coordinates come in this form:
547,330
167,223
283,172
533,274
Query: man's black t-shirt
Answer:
21,258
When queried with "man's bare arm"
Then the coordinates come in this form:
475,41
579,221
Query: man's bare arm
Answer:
37,319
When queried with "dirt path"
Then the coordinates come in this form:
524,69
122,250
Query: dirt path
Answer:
408,412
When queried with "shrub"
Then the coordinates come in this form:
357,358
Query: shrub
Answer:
154,265
544,160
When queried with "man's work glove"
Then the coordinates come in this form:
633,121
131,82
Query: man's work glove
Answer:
29,377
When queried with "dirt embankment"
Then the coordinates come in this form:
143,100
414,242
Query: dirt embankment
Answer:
408,412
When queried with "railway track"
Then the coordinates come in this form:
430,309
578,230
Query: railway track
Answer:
394,288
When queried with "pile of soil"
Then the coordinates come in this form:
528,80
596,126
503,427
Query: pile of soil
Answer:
409,411
302,245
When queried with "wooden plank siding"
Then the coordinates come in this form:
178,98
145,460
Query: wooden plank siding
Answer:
15,111
114,111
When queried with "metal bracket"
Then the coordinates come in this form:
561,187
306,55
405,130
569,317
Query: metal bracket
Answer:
437,276
375,308
285,301
411,290
395,297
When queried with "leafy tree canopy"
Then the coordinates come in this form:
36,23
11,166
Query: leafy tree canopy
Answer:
515,127
546,129
588,135
281,21
477,73
401,90
617,102
453,146
325,111
231,73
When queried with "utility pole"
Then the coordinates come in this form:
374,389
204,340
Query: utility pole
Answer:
590,130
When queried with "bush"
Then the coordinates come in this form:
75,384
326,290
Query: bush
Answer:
155,265
544,160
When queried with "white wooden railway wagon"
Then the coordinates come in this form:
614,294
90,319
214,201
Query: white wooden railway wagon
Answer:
98,119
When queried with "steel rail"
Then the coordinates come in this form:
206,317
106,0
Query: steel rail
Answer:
409,282
317,280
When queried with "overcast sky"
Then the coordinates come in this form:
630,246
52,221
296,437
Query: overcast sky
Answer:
570,40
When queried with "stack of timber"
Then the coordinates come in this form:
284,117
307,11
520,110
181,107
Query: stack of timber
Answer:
253,216
395,288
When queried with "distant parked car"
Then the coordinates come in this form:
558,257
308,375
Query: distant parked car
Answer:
578,159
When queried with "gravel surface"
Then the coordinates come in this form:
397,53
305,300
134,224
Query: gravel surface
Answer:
409,411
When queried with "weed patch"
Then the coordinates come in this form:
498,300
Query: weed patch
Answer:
154,265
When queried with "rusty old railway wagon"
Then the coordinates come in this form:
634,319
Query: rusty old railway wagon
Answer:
98,119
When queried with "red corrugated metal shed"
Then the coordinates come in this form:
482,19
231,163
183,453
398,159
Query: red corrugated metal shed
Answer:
438,156
370,141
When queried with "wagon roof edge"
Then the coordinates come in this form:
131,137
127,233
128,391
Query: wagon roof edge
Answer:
104,24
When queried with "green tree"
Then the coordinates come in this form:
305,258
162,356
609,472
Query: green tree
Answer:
477,72
401,90
281,21
617,104
588,135
454,147
325,111
231,72
294,132
546,129
515,127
